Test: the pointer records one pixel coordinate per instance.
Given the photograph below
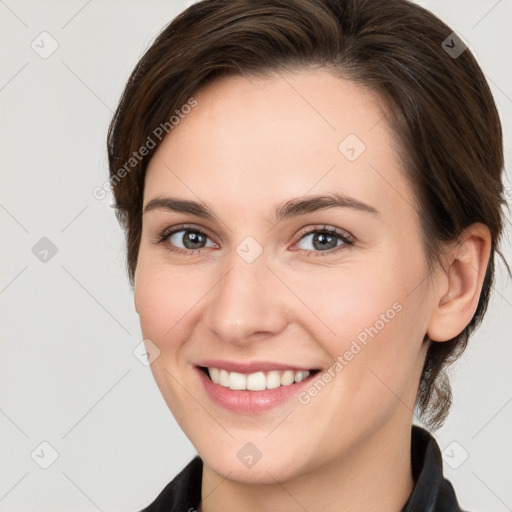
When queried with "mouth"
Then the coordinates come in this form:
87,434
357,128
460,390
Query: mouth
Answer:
256,381
254,388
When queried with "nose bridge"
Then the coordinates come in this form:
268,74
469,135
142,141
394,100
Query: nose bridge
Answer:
244,302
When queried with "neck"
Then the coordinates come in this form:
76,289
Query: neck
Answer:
375,476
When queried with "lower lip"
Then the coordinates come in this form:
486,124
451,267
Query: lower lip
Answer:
251,401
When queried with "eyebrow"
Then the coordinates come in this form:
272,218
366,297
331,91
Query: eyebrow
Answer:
291,208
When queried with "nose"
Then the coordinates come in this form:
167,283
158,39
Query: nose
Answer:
246,304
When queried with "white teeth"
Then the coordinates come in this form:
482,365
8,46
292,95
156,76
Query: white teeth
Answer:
257,381
224,378
300,376
214,375
287,378
237,380
273,379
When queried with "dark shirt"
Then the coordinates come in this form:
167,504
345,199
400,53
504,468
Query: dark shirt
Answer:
431,492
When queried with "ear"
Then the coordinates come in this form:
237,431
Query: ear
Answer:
458,288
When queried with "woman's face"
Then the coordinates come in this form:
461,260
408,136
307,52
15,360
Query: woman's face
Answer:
253,284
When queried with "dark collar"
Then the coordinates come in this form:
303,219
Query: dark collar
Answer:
431,493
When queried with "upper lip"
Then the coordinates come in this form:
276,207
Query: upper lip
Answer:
251,367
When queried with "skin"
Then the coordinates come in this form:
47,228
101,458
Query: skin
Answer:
247,146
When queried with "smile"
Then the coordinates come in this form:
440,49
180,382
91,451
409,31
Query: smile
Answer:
255,392
257,381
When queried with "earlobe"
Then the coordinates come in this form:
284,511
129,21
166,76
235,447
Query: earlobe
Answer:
458,292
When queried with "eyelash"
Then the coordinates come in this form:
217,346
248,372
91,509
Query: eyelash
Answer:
343,236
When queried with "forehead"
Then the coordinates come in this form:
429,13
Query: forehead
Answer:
282,136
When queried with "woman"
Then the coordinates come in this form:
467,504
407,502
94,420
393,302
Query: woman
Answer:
311,193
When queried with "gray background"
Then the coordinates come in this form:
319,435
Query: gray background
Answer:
68,373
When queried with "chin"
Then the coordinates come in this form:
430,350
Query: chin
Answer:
262,473
268,464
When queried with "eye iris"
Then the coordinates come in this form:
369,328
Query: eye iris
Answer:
323,240
193,240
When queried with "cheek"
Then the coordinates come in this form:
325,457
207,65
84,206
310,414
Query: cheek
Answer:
345,304
164,297
370,323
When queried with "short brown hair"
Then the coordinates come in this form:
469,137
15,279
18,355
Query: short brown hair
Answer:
440,107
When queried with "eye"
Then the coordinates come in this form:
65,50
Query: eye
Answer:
189,240
324,240
185,239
